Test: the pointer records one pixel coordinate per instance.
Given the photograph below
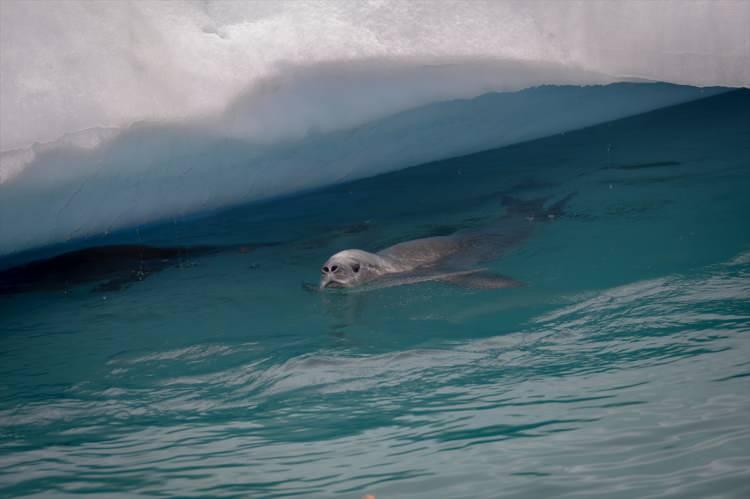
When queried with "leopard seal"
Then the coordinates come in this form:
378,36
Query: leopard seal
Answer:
452,258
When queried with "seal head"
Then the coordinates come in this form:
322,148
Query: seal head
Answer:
342,270
352,268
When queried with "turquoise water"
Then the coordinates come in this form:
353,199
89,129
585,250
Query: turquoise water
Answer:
620,369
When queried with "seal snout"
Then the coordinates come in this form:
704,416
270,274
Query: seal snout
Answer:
346,269
328,278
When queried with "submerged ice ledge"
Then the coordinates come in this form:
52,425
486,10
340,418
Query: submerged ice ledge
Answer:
103,180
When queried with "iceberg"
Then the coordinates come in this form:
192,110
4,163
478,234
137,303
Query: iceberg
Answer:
113,115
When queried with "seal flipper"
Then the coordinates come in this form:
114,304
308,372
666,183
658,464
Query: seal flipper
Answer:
535,208
482,280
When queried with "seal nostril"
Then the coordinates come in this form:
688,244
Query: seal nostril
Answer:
334,268
325,269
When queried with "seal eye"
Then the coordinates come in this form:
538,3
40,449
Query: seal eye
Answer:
355,268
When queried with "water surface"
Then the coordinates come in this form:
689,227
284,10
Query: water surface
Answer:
621,369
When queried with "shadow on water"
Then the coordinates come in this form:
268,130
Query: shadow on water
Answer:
111,268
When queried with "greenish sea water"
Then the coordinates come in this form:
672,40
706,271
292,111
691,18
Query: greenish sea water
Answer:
620,370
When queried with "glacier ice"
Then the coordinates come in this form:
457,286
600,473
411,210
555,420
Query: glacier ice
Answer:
113,114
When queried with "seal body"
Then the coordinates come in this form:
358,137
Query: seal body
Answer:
451,258
409,262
